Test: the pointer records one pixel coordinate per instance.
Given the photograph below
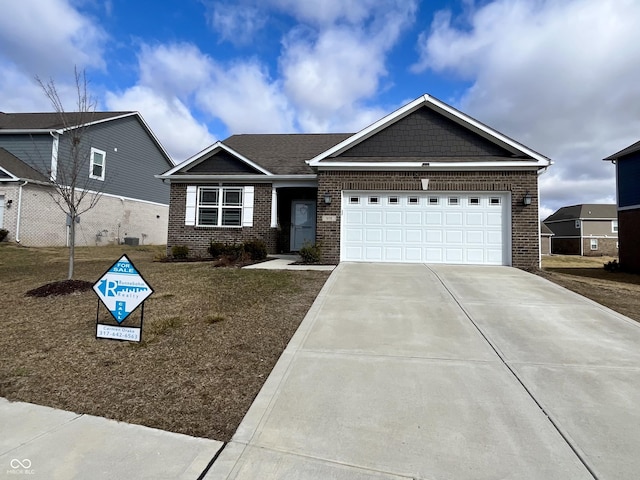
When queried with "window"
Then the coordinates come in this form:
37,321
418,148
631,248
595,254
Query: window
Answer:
414,200
96,167
494,201
393,200
374,200
453,200
594,244
354,200
219,207
614,226
474,201
434,200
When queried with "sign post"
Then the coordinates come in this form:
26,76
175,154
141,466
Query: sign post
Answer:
121,289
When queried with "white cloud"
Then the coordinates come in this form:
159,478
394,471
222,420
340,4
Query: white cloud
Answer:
244,97
236,23
180,133
329,73
49,38
561,77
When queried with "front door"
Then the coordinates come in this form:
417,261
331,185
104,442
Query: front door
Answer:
303,223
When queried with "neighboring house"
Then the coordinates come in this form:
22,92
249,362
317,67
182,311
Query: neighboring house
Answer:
545,239
426,183
627,163
122,157
588,230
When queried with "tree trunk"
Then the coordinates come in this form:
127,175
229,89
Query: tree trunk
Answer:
72,246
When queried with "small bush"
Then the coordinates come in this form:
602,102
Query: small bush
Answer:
256,249
180,251
216,249
3,234
612,266
310,253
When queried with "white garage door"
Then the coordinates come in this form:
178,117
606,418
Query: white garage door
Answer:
426,227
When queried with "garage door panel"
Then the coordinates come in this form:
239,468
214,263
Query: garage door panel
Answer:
432,227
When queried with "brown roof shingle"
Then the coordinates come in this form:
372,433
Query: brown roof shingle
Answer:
17,167
51,120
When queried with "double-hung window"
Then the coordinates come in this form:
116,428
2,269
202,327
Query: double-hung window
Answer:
97,164
219,207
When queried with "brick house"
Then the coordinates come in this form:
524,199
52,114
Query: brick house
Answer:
590,230
627,162
545,239
425,184
119,155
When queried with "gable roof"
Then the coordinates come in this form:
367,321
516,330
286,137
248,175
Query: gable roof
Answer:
271,154
586,211
16,169
520,155
624,152
544,230
44,122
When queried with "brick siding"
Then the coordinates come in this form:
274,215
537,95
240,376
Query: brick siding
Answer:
524,220
199,238
606,246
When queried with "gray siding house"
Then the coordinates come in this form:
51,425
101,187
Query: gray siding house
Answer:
586,229
119,157
424,184
627,162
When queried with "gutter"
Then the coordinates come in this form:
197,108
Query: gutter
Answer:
236,178
19,209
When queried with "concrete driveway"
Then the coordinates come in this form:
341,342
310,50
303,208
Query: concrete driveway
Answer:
446,372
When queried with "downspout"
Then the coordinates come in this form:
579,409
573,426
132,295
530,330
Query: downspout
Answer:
581,243
54,154
19,208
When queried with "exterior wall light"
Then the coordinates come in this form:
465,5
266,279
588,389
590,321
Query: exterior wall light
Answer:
526,200
327,198
9,202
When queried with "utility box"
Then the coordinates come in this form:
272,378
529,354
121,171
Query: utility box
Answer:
133,241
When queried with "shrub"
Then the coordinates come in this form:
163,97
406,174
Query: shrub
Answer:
256,249
612,266
310,253
180,251
216,249
3,234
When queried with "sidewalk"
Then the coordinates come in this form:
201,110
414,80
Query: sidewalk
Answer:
286,262
45,443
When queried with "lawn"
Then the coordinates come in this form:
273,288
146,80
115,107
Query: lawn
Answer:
210,338
586,276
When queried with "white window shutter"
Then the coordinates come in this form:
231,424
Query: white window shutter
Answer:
190,207
247,207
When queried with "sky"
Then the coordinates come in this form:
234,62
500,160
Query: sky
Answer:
559,76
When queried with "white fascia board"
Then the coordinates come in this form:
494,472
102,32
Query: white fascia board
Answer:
426,166
541,159
236,178
629,207
13,131
12,179
218,145
103,120
368,131
393,117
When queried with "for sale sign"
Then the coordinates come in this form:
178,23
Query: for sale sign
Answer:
121,289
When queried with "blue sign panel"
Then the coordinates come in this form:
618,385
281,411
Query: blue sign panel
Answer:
122,289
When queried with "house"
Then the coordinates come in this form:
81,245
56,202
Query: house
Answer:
426,183
587,229
120,157
627,163
545,239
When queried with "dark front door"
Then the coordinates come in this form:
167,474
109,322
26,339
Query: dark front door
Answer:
303,223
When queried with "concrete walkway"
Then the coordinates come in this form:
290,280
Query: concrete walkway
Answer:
286,262
41,442
446,372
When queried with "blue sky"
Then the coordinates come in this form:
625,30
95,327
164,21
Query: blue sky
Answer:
560,76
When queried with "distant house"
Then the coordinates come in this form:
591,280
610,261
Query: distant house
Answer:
545,239
587,229
424,184
627,163
122,156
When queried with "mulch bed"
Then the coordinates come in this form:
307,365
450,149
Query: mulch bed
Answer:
65,287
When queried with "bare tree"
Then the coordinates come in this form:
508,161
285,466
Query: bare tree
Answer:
73,191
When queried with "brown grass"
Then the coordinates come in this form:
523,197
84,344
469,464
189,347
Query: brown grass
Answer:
587,276
210,338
